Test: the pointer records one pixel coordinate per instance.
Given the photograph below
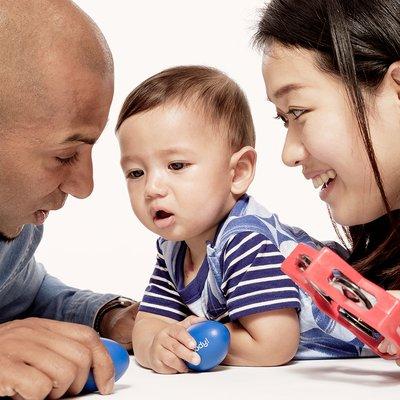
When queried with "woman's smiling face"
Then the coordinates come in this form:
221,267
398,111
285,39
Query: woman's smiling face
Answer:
323,137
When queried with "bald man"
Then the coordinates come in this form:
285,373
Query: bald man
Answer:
56,74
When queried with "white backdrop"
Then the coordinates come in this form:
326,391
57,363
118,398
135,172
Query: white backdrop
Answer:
97,243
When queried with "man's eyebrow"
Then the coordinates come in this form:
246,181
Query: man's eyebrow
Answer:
79,138
284,90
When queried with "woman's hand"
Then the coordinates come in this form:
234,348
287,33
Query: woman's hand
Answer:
387,346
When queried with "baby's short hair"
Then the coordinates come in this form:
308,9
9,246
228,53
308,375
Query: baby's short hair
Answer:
220,99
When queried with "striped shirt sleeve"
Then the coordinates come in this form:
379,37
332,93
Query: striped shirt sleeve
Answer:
161,296
253,281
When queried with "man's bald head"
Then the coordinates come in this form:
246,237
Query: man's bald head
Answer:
45,46
57,83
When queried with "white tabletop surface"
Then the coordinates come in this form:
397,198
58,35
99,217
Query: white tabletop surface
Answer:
353,379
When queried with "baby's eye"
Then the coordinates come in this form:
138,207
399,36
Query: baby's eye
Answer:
135,174
176,166
283,119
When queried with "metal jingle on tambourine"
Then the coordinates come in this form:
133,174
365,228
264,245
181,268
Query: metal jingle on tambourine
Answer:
352,291
320,292
303,261
359,324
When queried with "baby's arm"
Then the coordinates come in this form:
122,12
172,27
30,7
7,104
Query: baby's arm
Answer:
265,339
161,343
262,302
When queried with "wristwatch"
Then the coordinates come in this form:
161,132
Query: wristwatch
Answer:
119,302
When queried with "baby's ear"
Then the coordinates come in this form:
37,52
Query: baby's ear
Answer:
243,167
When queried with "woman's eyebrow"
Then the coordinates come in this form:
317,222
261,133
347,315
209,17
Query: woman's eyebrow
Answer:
284,90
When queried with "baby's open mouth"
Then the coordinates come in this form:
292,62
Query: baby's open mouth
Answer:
163,219
161,214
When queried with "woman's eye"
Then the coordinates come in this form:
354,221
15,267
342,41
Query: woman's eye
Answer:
135,174
297,113
68,160
283,119
176,166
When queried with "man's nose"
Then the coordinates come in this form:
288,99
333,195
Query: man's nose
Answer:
79,180
294,151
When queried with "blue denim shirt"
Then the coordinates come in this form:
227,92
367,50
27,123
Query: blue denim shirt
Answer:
27,290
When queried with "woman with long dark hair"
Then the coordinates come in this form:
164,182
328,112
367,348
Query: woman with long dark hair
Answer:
332,69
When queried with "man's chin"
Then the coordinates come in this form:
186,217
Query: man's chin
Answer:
10,236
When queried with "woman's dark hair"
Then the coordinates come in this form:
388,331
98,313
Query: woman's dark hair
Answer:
356,40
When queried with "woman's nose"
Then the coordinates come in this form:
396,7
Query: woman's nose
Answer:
294,151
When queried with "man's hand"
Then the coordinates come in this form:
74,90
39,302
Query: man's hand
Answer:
41,357
118,324
173,345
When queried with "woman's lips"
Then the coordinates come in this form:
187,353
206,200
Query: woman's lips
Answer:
327,189
323,178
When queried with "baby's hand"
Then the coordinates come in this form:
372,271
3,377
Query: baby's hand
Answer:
172,345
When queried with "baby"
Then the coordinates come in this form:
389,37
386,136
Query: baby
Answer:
187,151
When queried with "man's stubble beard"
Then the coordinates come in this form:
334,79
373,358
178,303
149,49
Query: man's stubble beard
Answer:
5,238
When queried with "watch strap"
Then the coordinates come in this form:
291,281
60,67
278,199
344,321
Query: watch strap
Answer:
119,302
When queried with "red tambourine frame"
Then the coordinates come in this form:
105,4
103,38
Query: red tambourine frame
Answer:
364,308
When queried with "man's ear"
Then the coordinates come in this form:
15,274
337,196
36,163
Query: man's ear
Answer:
243,167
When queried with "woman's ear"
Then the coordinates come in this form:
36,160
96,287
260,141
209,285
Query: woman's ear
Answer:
243,167
394,71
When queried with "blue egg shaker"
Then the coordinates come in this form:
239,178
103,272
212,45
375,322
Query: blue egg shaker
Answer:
120,358
212,339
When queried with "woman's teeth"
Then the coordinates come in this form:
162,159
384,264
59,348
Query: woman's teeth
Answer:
324,178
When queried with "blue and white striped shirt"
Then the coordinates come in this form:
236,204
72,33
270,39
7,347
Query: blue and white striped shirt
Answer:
252,282
241,276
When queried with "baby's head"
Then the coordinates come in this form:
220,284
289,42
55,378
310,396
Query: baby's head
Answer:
187,150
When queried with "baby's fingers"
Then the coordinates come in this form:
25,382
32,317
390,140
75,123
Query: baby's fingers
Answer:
179,333
182,352
173,362
191,320
159,365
